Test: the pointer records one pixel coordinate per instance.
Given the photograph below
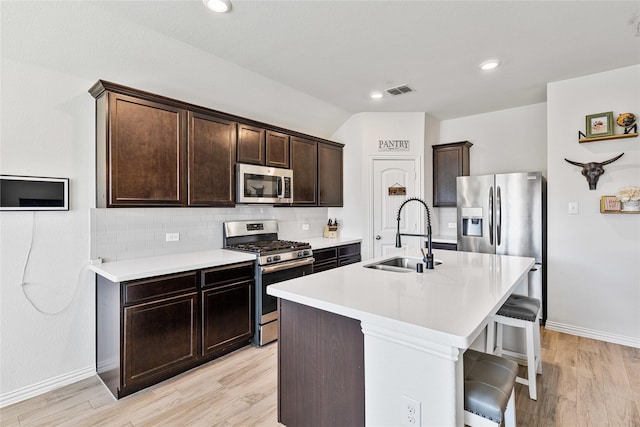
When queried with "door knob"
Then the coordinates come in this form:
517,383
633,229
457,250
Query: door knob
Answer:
378,237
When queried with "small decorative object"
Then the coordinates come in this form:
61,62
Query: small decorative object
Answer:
600,124
331,229
627,121
630,198
609,204
397,190
593,170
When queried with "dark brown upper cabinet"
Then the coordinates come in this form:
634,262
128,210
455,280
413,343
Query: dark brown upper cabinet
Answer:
449,161
251,145
156,151
142,146
277,150
304,162
262,147
212,152
329,175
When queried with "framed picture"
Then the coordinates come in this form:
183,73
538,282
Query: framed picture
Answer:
600,124
609,204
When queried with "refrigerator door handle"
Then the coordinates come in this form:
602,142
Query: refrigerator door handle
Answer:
498,216
491,215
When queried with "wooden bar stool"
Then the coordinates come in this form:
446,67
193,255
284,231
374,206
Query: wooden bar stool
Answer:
521,312
488,390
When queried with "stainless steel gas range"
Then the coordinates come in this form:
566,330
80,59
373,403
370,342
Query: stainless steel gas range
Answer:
276,261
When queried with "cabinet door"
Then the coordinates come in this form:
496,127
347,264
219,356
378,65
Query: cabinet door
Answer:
449,162
304,162
329,175
160,340
277,150
349,254
212,152
146,153
227,317
250,144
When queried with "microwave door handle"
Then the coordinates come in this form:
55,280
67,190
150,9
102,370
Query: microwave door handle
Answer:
280,188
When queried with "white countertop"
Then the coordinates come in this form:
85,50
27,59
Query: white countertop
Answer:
448,305
445,239
140,268
322,242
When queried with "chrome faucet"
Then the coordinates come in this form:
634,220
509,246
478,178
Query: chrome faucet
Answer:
428,259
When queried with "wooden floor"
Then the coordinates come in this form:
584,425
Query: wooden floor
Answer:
584,383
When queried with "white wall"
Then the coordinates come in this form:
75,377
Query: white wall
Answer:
593,258
52,52
512,140
47,130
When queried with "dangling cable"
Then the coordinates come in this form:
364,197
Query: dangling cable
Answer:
24,273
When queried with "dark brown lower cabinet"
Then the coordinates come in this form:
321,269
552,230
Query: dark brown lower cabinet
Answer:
151,329
160,340
320,368
445,246
336,256
227,308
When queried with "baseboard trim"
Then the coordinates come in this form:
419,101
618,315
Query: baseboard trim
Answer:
33,390
593,334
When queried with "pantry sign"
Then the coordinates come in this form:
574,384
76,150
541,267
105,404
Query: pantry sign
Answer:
393,145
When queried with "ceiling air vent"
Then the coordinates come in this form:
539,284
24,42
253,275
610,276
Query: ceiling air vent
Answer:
399,90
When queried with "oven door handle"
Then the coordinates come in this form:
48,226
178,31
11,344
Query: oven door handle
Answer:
287,265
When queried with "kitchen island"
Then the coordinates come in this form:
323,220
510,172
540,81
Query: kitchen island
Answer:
357,337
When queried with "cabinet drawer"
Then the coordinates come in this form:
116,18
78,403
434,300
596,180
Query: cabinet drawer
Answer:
219,276
323,266
349,260
445,246
156,287
349,250
325,254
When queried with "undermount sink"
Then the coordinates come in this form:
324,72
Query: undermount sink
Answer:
399,264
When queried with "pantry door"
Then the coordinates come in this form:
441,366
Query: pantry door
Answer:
390,176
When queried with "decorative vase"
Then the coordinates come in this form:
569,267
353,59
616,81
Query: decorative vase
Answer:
631,206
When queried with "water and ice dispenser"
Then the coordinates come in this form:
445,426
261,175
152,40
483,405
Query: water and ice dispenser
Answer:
471,222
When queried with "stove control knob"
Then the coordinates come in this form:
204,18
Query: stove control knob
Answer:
300,254
276,258
269,259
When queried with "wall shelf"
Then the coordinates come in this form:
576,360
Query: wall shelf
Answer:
611,205
602,138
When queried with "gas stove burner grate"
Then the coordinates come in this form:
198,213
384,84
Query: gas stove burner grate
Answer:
268,246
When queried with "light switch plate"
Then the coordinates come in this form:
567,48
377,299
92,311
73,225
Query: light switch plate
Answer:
573,208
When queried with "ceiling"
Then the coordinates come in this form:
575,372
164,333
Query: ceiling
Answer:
339,51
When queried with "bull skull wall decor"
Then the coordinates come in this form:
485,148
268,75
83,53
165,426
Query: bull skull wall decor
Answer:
593,170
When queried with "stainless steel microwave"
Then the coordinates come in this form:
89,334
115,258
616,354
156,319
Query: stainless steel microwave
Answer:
263,184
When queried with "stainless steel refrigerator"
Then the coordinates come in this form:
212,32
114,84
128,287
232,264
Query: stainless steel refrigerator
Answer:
505,214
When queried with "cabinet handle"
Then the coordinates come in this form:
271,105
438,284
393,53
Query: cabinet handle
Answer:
378,237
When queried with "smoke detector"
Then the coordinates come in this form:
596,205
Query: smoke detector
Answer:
399,90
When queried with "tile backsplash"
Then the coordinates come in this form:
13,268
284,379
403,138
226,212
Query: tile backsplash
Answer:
125,233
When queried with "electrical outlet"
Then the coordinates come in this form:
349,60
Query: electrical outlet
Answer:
172,237
410,411
573,208
305,227
451,225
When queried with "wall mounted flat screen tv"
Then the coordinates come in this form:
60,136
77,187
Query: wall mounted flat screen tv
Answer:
31,193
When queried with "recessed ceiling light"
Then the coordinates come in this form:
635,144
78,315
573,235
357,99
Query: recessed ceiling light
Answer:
376,94
490,64
219,6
